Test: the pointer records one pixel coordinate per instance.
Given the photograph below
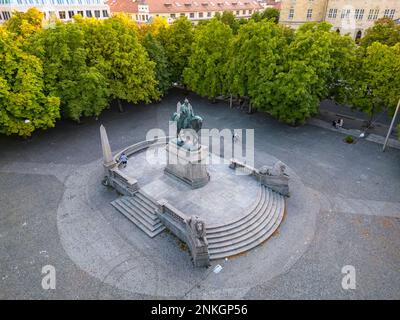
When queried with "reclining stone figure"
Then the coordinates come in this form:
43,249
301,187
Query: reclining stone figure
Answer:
275,178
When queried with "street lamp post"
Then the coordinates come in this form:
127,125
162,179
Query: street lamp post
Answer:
391,125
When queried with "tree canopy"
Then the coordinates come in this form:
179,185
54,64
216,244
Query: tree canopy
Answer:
177,41
78,68
206,71
82,88
376,82
384,31
271,14
24,105
114,48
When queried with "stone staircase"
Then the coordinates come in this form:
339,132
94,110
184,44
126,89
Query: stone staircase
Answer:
260,222
141,210
256,226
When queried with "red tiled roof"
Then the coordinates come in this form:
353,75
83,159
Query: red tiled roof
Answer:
128,6
176,6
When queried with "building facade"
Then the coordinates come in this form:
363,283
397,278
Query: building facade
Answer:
143,11
346,16
61,9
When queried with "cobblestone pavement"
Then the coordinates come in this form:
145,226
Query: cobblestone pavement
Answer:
357,221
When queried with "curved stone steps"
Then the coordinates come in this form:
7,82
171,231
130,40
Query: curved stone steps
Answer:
213,231
258,228
266,214
252,219
252,245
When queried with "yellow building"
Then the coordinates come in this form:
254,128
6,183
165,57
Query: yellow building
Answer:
143,11
347,16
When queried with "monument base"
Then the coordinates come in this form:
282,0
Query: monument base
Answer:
188,166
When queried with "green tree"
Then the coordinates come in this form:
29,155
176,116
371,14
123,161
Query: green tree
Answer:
82,88
229,19
376,85
206,71
384,31
271,14
257,56
311,72
286,74
177,41
114,48
157,54
24,24
24,107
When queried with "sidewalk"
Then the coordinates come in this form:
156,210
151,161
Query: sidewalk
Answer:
373,135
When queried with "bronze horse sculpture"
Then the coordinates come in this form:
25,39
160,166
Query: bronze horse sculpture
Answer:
185,117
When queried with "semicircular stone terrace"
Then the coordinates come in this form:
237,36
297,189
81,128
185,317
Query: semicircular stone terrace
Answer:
239,212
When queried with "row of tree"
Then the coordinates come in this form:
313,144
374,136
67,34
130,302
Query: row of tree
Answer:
288,73
76,69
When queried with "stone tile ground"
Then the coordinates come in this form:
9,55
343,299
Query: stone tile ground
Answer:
358,222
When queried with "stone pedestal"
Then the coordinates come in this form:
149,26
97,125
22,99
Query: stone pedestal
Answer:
188,166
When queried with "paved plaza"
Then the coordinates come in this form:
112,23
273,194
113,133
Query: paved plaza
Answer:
54,211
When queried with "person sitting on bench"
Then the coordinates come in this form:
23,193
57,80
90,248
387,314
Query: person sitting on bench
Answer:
338,123
123,159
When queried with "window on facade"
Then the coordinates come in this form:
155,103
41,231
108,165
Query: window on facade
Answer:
61,14
97,13
200,14
191,15
332,13
370,14
391,14
309,14
88,13
6,15
250,11
70,14
244,12
386,13
105,14
291,14
345,14
376,14
80,12
237,12
182,14
208,14
359,14
172,15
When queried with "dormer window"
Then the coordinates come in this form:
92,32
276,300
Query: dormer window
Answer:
168,4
